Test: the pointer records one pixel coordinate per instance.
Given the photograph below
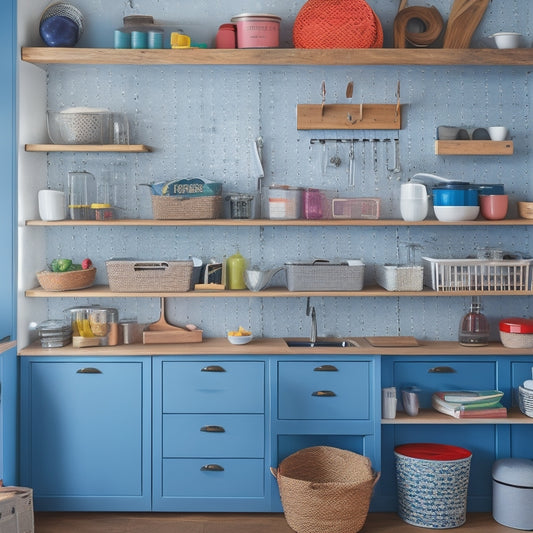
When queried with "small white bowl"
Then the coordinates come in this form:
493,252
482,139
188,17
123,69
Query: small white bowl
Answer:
243,339
498,133
507,39
456,213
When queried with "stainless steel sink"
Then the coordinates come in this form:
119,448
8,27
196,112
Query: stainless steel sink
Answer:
321,343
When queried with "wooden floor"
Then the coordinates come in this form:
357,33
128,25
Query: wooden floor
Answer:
226,523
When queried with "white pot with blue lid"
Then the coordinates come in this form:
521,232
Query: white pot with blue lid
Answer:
512,493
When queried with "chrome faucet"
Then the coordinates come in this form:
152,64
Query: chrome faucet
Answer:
310,310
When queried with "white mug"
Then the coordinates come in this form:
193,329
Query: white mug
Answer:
413,201
52,205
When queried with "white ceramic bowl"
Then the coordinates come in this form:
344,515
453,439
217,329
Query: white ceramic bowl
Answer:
507,39
498,133
244,339
456,213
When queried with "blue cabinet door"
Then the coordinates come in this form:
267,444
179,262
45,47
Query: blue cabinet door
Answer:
86,433
8,199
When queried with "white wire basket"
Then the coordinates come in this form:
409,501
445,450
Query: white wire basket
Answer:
477,274
525,401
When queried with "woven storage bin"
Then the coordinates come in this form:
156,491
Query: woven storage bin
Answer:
400,278
432,482
149,276
337,24
66,281
181,208
325,489
323,276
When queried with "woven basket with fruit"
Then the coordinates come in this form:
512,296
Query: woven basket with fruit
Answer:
64,275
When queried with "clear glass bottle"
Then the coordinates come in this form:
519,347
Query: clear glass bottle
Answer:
474,326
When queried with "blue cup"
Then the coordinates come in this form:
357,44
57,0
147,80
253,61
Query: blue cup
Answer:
155,39
139,39
122,39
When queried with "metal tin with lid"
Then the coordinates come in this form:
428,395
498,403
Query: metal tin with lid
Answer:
257,30
516,332
512,492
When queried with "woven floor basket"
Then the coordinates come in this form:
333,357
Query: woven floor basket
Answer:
325,489
337,24
66,281
179,208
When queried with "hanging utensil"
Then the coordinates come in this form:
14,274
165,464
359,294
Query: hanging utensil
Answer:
351,167
323,94
349,94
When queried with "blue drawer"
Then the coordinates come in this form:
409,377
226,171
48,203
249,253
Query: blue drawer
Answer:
329,390
430,376
207,387
193,478
213,435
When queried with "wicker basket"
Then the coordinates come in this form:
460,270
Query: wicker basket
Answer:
325,489
149,276
66,281
400,277
432,481
181,208
324,276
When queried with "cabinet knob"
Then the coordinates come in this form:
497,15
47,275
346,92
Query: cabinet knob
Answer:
328,393
213,368
212,468
326,368
441,370
88,370
213,429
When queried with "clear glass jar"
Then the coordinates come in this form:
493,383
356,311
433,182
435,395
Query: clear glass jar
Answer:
474,326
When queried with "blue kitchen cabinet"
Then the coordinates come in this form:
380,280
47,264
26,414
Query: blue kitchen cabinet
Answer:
210,423
325,401
85,433
8,414
488,441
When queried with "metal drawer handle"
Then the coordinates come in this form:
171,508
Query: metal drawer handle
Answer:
328,393
326,368
212,368
441,370
88,370
212,468
213,429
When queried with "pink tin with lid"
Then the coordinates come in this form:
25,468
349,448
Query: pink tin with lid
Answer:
257,30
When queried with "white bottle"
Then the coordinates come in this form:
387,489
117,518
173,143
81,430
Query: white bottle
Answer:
413,202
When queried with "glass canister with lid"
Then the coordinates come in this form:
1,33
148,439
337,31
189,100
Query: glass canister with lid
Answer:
93,325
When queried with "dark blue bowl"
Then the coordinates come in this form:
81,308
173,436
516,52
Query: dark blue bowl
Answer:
59,31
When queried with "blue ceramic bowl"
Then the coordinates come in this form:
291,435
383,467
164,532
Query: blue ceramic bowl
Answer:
59,31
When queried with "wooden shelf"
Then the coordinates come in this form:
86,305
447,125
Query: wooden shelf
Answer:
281,56
275,223
429,416
129,148
103,291
474,147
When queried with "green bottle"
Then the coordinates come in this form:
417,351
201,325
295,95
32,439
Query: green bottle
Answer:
235,267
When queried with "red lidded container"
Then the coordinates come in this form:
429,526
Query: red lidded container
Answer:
516,332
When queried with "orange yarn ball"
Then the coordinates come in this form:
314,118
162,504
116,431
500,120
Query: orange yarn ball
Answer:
337,24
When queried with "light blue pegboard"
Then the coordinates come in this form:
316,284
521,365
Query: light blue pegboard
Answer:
201,121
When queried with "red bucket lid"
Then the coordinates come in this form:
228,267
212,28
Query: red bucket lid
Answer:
433,452
516,325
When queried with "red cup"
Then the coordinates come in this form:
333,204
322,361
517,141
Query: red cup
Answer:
494,206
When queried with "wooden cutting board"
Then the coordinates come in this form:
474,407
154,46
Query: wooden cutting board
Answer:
394,342
465,17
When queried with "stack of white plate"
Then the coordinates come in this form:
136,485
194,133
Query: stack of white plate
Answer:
525,400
